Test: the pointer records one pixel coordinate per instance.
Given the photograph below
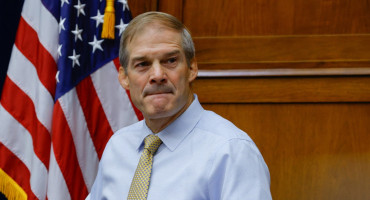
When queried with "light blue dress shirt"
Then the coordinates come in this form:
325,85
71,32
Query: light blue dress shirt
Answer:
203,156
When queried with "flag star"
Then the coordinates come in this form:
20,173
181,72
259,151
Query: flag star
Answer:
64,1
77,32
99,18
61,24
60,50
96,44
74,58
124,2
57,76
121,27
80,8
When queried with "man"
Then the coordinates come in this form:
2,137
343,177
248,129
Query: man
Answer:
200,155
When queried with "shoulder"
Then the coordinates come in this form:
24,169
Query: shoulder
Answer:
231,151
135,127
227,138
123,138
222,136
220,127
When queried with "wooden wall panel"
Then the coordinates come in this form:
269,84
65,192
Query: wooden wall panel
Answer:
276,34
313,151
283,89
318,49
173,7
313,131
140,6
283,17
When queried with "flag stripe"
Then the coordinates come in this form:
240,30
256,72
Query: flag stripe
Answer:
27,42
65,154
23,149
96,120
23,110
116,63
16,169
58,190
44,23
137,111
113,97
86,154
32,86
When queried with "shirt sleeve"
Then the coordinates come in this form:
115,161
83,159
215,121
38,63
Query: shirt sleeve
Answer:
239,172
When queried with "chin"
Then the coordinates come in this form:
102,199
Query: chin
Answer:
158,113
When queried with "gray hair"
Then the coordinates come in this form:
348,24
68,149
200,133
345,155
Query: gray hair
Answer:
167,20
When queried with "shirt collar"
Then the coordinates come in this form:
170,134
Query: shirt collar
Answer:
140,134
174,133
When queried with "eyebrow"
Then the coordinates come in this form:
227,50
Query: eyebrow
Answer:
172,53
139,58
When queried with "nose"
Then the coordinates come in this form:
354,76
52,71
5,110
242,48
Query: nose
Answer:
158,74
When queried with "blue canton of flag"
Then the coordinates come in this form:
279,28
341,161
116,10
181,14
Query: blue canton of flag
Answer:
81,49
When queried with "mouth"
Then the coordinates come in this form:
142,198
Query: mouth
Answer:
157,91
158,94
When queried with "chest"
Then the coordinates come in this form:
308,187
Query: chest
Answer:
181,175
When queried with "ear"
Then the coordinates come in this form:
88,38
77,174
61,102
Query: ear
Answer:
123,78
193,69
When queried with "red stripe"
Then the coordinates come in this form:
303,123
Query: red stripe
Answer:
139,115
21,107
116,63
97,122
28,43
16,169
65,155
137,111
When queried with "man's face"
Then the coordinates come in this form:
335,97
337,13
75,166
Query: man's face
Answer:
157,73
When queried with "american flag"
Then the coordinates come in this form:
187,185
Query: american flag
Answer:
61,99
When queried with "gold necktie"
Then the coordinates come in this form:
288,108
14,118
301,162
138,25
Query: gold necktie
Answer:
140,182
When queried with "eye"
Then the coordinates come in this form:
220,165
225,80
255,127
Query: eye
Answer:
142,64
172,60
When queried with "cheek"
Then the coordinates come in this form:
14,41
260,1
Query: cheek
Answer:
182,82
137,84
135,89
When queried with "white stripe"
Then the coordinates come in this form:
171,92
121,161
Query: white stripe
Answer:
113,97
85,149
57,187
44,23
10,133
24,75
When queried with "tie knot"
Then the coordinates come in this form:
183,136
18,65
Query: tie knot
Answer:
152,142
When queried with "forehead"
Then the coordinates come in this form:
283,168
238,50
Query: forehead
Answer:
153,38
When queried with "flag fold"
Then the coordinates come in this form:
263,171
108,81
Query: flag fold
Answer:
61,99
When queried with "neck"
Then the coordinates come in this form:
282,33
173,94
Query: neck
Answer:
157,125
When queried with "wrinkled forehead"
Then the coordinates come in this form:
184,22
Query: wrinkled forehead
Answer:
152,33
152,27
